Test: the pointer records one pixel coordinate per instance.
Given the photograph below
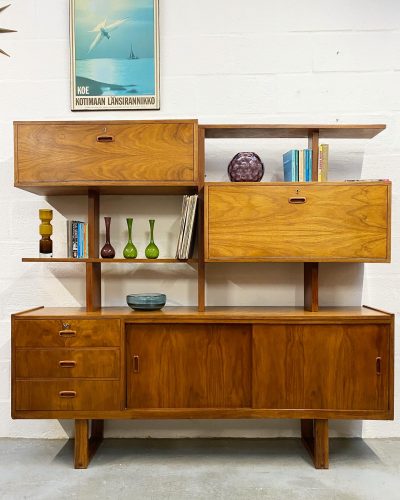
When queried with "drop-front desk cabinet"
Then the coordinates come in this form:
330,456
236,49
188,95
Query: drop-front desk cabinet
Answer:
310,363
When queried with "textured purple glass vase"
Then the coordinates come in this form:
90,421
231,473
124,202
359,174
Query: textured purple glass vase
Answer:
246,167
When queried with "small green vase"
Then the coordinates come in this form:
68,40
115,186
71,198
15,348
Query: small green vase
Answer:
152,251
130,251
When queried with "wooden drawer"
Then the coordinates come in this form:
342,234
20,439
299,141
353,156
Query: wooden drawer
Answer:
67,363
67,395
57,333
48,152
297,222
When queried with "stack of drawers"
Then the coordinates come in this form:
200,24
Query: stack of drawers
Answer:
64,365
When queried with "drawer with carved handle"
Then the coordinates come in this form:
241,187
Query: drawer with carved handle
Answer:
67,333
74,395
67,363
104,151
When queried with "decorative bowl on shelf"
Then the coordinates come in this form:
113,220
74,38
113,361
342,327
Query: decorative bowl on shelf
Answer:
146,301
246,167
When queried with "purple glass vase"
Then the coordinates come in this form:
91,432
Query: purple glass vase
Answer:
246,167
107,252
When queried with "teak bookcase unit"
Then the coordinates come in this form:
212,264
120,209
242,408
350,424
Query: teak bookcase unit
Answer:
312,363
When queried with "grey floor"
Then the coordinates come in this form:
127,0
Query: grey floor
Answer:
200,469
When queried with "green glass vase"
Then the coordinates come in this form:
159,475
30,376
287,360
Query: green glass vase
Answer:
152,251
130,251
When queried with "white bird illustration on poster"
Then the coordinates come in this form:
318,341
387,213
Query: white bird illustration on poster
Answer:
103,31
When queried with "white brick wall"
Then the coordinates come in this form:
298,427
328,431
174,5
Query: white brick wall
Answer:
221,61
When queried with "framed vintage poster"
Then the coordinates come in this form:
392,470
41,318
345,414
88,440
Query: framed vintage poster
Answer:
114,54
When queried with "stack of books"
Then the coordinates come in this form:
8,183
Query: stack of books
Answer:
77,239
188,218
297,164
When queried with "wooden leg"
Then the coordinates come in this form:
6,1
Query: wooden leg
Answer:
315,437
86,447
81,444
97,429
321,444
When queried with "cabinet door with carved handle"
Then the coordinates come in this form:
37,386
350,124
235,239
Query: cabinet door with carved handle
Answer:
330,367
188,366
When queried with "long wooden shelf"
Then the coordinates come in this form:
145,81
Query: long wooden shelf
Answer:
110,188
226,314
276,131
110,261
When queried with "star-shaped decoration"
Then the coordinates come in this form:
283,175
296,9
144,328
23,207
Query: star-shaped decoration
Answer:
4,30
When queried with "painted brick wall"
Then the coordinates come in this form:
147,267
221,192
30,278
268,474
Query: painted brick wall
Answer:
224,61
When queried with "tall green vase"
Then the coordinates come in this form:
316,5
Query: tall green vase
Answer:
152,251
130,251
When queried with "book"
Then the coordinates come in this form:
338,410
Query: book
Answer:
301,165
74,238
308,161
188,217
86,241
79,240
323,162
69,239
291,166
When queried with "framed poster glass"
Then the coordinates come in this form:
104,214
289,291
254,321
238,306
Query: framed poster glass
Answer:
114,54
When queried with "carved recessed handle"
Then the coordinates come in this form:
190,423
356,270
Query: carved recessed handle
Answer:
378,365
67,364
105,138
136,364
67,333
297,200
67,394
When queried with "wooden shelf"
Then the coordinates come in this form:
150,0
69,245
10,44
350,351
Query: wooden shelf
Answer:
111,261
255,131
311,183
226,314
110,188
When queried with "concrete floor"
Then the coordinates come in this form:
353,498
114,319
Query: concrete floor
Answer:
200,469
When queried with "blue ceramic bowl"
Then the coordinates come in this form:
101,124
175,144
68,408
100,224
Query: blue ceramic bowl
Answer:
146,301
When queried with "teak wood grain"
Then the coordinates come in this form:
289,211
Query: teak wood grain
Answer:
257,130
188,366
135,151
67,395
84,333
68,363
342,367
345,222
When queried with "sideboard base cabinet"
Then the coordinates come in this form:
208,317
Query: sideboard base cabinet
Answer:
221,363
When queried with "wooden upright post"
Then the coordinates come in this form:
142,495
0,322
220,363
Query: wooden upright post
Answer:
201,268
313,143
93,269
311,286
311,268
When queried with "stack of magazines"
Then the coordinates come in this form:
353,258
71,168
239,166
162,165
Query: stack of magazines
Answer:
185,240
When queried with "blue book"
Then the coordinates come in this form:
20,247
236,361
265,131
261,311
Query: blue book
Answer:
80,240
308,165
291,166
